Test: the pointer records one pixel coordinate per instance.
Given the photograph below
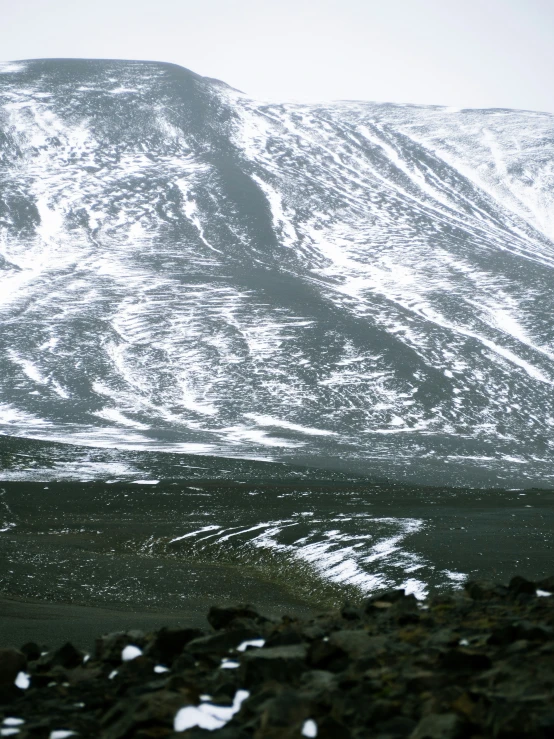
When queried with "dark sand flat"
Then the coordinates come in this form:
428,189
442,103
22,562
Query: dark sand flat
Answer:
52,624
78,560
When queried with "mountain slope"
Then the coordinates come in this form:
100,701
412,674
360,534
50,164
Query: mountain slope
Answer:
355,285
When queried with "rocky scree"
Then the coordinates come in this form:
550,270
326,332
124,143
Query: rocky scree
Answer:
473,663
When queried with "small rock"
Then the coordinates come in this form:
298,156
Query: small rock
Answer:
444,637
520,630
169,643
484,590
284,634
520,586
285,709
31,650
331,728
397,726
420,680
438,726
219,644
356,643
110,646
387,596
350,612
12,661
222,618
325,656
465,659
185,661
381,709
547,584
129,716
316,683
280,664
311,633
67,656
56,674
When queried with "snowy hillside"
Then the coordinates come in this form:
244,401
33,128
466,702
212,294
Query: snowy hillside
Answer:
354,285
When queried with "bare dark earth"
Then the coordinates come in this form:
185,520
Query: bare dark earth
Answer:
79,559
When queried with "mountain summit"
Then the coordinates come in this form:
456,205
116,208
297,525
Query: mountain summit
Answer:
356,285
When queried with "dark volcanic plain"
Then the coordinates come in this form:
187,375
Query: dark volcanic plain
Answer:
101,556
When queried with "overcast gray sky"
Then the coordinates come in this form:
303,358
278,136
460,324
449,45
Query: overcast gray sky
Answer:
467,53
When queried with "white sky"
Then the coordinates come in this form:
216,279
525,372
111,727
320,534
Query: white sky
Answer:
467,53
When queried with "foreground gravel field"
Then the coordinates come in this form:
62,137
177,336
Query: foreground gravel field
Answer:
472,663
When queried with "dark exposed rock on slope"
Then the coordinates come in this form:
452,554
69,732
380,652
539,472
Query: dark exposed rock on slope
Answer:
477,664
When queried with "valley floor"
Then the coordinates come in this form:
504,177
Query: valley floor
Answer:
80,559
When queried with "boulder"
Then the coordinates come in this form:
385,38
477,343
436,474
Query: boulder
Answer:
168,644
280,664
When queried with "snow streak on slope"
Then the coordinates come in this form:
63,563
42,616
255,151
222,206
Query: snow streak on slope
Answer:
346,284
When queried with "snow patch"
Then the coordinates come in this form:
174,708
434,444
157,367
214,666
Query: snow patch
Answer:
208,715
130,652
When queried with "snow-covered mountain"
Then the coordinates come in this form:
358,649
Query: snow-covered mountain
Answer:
355,285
